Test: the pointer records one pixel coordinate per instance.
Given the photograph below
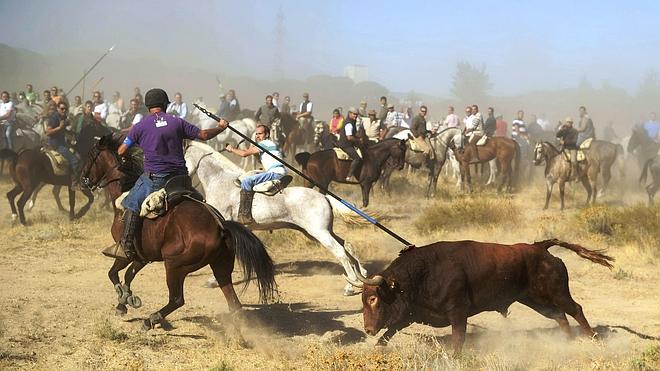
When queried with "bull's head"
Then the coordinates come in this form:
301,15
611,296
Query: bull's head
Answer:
380,306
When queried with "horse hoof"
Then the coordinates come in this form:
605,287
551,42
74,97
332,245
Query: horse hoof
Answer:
147,325
211,283
134,301
121,310
14,218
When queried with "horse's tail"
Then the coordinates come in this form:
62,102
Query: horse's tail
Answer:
645,170
8,154
302,158
595,256
254,259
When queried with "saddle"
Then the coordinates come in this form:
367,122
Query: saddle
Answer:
343,156
270,187
414,146
581,157
178,189
58,162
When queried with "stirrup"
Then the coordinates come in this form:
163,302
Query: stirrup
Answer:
115,251
237,183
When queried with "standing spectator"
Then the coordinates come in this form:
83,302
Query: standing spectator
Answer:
286,106
30,94
336,122
132,116
77,107
234,106
491,123
178,108
100,107
451,120
501,127
652,127
267,113
54,94
223,110
276,100
382,112
519,128
362,111
7,119
84,118
47,99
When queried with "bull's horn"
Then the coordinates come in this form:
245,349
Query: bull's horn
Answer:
354,283
376,281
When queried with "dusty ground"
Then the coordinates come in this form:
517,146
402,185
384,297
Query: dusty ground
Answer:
58,304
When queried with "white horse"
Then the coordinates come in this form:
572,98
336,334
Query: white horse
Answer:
298,208
246,126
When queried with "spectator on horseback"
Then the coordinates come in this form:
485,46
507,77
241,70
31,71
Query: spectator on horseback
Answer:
77,106
568,137
519,129
30,94
56,132
451,120
286,106
349,141
178,108
585,127
382,112
7,119
273,170
276,99
374,127
223,110
467,120
419,131
491,123
305,110
336,122
160,136
474,127
362,111
268,113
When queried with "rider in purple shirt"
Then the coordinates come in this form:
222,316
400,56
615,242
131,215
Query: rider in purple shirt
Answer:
161,138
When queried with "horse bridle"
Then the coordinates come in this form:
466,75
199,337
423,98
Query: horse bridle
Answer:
102,182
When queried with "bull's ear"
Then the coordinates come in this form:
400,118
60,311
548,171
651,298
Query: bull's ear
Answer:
394,286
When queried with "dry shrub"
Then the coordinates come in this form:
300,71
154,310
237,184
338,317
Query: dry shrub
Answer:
107,332
648,360
638,225
332,357
466,212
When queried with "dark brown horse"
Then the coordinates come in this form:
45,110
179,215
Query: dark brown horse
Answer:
505,150
186,239
324,167
29,169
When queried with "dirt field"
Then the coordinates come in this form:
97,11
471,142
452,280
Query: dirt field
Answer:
58,304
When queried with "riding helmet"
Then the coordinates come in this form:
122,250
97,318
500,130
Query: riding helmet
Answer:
156,98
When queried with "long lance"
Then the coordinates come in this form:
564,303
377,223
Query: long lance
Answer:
346,203
90,70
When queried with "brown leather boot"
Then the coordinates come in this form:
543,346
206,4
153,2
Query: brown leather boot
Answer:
245,207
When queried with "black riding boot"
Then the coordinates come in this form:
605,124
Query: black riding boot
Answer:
351,171
132,223
245,207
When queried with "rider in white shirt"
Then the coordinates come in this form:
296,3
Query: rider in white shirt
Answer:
7,118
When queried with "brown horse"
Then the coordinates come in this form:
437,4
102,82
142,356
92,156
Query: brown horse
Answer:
558,170
29,169
186,238
324,167
505,150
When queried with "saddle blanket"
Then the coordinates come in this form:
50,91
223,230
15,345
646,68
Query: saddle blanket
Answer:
586,144
152,207
57,161
343,156
581,157
415,146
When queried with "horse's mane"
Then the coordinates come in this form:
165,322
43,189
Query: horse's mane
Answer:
225,163
552,146
446,129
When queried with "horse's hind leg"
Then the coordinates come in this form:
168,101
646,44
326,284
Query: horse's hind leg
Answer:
11,196
175,276
56,195
33,199
72,203
27,192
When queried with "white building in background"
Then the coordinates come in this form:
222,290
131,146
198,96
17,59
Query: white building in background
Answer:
357,72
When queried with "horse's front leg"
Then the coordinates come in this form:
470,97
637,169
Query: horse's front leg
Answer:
113,274
562,184
88,205
366,188
549,184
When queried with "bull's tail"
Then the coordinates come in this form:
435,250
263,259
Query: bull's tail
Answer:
302,158
645,170
595,256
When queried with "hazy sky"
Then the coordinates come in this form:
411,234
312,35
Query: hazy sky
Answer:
411,45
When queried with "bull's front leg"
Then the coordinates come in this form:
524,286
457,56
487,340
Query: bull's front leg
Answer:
391,331
458,320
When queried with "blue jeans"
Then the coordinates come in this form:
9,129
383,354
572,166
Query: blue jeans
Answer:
9,132
143,188
249,182
70,157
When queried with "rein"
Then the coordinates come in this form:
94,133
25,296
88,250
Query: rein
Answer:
102,182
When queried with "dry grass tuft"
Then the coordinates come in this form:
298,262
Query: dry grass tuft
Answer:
108,332
477,211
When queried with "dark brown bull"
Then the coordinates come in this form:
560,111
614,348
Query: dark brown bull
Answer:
444,283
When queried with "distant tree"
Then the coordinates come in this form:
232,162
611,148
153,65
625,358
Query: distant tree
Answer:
648,94
470,84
